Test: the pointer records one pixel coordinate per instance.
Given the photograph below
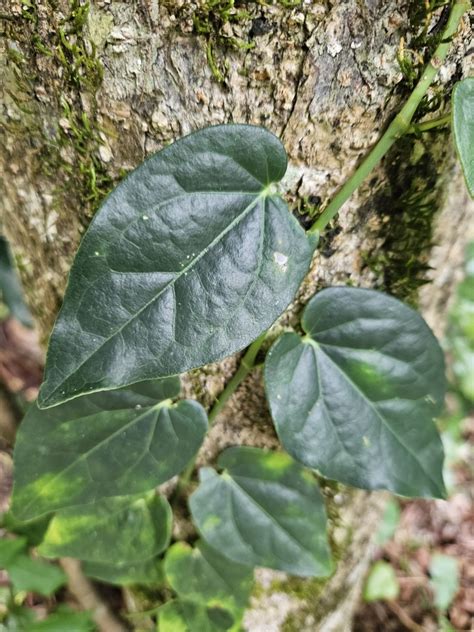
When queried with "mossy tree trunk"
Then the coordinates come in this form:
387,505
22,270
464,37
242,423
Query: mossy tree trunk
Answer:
88,89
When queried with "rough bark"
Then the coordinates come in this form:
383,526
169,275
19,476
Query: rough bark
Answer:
85,96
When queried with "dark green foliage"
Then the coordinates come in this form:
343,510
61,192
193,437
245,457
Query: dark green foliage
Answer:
189,260
355,398
104,445
263,510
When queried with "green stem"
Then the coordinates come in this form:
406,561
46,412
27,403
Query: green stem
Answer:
400,124
425,126
247,364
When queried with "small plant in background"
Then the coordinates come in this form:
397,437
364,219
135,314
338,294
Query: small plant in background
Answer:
192,258
382,583
11,294
28,575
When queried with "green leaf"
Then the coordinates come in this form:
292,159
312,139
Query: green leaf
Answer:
444,572
10,288
126,529
10,549
463,128
390,520
382,583
103,445
186,616
203,575
19,619
263,510
64,620
355,399
144,573
187,261
31,575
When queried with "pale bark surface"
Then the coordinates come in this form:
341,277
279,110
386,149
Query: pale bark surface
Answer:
325,78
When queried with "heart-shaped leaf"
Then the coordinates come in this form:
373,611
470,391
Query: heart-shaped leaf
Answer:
187,261
187,616
463,128
203,575
143,573
356,398
103,445
263,510
123,528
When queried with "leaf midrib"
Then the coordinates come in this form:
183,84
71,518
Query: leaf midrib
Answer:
384,423
272,519
321,399
262,195
85,455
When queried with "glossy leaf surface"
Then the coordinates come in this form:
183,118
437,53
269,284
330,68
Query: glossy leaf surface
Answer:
187,261
125,529
145,572
187,616
356,398
203,575
103,445
263,510
463,128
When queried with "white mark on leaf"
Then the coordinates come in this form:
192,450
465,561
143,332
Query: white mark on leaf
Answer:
281,260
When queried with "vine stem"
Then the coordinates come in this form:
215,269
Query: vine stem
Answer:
425,126
400,124
247,364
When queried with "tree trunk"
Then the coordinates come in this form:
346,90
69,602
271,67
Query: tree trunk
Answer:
89,89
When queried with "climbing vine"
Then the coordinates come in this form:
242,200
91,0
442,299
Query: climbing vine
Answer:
190,259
